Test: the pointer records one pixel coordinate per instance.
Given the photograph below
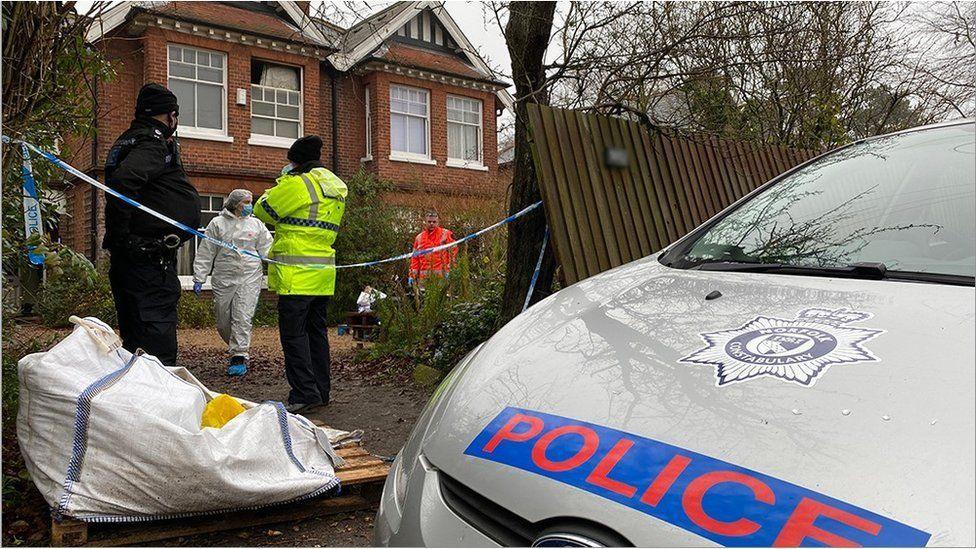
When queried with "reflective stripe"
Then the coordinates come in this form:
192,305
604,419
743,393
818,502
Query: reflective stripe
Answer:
309,223
267,207
304,260
313,209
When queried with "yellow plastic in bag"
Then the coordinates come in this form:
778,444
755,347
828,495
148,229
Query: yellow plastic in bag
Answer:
220,410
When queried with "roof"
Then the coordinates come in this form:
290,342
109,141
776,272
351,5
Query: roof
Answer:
283,20
408,56
228,16
362,40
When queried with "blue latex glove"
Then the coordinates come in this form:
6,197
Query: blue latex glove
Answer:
197,286
236,370
410,281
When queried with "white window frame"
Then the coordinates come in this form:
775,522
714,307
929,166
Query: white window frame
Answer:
274,140
369,129
193,132
401,156
461,162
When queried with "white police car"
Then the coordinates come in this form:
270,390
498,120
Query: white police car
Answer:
799,370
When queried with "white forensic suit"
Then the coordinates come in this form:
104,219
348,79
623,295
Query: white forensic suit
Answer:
236,278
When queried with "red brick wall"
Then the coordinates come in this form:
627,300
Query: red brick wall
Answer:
218,167
425,178
237,159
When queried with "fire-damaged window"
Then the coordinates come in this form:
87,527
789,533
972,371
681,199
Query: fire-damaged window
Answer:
276,100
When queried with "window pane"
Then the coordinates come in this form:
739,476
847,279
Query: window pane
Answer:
418,108
262,126
471,117
290,113
287,129
211,75
282,97
294,98
398,106
175,53
216,60
455,141
398,132
417,135
217,203
471,144
264,109
184,96
210,110
189,56
183,70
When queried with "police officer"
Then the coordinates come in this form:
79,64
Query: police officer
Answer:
305,206
144,164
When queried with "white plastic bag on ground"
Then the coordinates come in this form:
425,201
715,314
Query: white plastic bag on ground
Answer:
111,437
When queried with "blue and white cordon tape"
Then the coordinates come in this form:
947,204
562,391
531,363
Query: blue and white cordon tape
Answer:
95,183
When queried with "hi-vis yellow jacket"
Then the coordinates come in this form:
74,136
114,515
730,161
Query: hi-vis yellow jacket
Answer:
305,210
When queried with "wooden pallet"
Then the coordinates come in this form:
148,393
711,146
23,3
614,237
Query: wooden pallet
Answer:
362,484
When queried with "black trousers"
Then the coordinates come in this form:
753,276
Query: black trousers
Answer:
146,292
305,342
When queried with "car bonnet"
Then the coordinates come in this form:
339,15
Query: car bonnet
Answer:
858,390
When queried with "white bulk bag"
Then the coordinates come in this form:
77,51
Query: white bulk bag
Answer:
108,436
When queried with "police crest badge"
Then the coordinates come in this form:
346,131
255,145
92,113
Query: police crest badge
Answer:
797,350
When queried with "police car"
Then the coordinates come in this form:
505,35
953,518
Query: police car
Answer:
799,370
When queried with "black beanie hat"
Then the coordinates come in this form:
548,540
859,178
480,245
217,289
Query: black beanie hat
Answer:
155,99
305,149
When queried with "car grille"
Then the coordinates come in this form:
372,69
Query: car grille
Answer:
501,525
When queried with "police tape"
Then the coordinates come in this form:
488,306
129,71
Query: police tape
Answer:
227,245
33,225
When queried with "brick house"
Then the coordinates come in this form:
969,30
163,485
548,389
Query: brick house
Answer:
402,95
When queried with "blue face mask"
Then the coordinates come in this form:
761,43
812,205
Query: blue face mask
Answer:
287,168
247,210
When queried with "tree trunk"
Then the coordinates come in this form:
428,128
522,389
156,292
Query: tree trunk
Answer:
527,37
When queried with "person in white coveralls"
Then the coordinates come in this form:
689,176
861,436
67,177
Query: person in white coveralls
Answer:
236,278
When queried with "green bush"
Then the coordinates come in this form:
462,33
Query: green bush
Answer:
77,289
195,312
266,313
371,229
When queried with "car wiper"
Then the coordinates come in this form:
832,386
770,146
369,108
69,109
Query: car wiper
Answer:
866,271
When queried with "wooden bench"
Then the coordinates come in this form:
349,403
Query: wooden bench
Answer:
362,326
362,481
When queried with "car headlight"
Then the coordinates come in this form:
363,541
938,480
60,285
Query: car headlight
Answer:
406,461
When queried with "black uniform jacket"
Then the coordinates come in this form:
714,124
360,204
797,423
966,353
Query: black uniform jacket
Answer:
145,166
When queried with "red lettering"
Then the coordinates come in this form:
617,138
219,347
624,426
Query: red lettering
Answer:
590,443
507,432
599,476
692,502
800,525
665,479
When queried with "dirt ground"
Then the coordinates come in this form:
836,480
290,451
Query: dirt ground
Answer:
384,404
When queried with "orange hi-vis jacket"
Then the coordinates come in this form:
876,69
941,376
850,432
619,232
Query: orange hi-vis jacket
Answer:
434,263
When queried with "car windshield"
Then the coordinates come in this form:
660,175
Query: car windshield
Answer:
905,200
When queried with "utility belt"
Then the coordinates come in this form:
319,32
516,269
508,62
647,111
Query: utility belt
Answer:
155,250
